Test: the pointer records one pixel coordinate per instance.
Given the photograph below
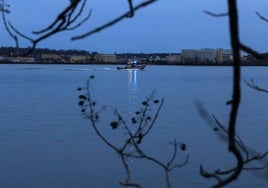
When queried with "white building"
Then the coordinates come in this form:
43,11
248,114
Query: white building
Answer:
224,55
174,58
106,58
206,55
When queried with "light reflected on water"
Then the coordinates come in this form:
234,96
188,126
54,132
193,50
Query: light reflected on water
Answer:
132,100
132,91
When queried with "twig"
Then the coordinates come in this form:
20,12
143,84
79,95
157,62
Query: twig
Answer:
262,17
63,22
215,14
254,86
134,138
4,11
131,10
251,51
114,21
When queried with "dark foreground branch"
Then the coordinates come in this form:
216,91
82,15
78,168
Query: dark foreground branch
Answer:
116,20
251,51
262,17
215,14
249,156
254,86
4,12
66,20
130,148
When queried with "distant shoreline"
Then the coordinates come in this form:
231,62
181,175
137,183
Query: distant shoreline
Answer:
119,63
187,57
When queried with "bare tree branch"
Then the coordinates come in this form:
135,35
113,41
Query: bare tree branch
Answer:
4,7
262,17
143,122
215,14
251,51
131,10
65,21
4,12
80,23
249,156
236,146
254,86
114,21
235,43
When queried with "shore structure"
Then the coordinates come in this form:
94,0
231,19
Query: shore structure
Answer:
204,56
132,65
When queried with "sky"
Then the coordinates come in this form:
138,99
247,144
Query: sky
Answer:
167,26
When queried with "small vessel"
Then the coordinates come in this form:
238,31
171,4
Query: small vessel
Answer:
133,65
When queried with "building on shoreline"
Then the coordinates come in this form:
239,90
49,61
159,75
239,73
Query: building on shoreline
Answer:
106,58
51,58
206,55
80,59
18,59
173,58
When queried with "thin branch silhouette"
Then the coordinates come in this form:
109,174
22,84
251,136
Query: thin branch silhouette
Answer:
143,121
251,51
262,17
4,7
116,20
234,145
254,86
215,14
66,20
249,156
243,47
4,12
131,9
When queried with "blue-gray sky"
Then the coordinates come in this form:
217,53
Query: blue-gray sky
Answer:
165,26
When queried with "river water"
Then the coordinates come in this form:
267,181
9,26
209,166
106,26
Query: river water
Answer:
46,142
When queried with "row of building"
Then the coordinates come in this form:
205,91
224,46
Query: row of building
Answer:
206,55
87,59
187,56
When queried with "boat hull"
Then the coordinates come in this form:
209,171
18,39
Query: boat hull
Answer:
133,67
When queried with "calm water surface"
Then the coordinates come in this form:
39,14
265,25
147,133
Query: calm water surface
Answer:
45,142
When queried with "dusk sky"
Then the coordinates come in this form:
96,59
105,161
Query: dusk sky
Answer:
165,26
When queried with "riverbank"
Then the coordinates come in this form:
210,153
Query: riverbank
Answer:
147,63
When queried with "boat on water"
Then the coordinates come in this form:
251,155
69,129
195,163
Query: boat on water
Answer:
133,65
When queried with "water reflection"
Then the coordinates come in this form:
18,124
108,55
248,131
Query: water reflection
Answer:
132,100
132,91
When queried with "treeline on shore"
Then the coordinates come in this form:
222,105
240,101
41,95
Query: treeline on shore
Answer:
74,56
